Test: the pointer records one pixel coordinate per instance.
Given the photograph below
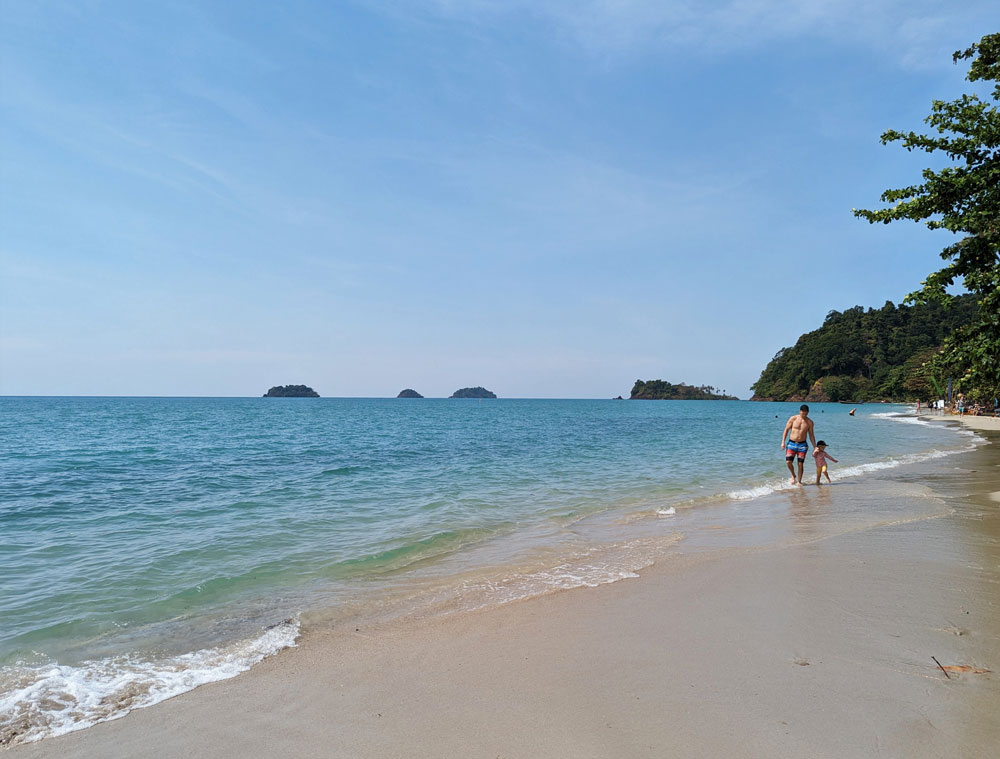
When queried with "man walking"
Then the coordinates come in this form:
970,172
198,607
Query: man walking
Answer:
797,428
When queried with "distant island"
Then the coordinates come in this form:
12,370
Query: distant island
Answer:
473,392
291,391
408,393
658,390
866,355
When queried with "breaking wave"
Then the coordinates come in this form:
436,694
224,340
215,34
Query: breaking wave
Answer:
53,699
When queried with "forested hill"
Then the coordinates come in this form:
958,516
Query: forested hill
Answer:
659,390
861,355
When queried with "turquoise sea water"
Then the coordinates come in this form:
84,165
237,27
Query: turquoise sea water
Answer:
148,545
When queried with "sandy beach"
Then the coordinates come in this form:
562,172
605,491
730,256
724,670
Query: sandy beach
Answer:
977,422
819,646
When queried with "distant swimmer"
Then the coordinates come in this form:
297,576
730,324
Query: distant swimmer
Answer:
797,429
851,412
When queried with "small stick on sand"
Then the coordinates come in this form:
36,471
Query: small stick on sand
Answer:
942,668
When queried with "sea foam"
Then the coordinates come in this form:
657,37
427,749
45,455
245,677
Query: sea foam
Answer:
54,699
591,567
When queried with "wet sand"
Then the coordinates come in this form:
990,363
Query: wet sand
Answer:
821,646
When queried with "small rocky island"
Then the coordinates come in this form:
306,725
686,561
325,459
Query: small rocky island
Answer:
409,393
473,392
291,391
658,390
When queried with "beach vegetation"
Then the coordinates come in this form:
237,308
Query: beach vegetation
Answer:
963,198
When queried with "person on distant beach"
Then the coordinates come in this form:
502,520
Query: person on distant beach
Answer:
821,456
797,429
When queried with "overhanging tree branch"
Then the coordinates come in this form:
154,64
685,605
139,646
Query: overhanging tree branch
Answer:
963,199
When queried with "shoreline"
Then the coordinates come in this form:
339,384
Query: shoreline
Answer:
758,651
593,541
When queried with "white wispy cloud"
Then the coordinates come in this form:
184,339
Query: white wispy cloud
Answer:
916,33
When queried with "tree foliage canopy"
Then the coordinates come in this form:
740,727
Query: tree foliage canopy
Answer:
863,355
963,198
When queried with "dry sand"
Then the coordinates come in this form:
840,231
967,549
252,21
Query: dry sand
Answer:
816,649
981,422
991,423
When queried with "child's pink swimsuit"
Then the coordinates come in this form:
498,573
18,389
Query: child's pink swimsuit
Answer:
821,457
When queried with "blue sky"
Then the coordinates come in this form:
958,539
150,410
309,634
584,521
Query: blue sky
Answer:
550,199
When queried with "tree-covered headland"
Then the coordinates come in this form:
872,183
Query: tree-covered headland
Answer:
660,390
962,198
291,391
867,355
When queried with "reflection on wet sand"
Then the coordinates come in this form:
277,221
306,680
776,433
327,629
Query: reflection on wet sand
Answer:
808,512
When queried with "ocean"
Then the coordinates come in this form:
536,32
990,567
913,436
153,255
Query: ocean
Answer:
149,545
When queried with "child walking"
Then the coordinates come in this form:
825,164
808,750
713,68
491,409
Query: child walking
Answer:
821,457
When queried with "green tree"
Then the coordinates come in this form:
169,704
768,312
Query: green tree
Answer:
963,198
863,354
